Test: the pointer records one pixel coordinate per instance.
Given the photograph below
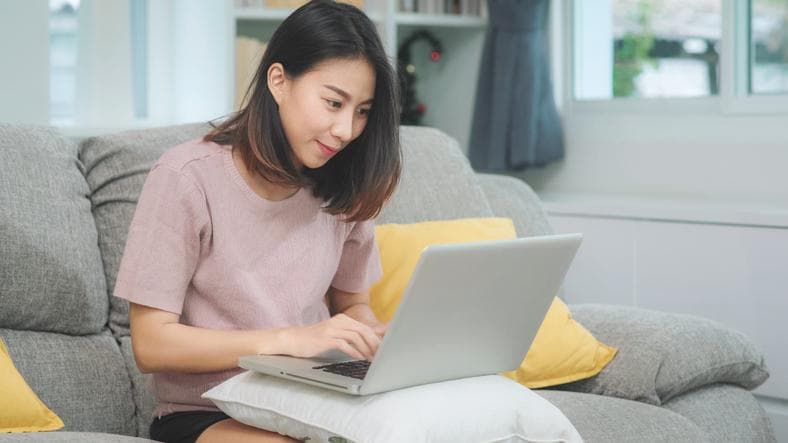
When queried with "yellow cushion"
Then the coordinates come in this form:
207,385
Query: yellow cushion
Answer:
21,410
562,351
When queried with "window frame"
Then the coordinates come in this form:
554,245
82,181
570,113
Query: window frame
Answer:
734,97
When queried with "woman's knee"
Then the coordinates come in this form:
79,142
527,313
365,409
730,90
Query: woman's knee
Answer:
235,431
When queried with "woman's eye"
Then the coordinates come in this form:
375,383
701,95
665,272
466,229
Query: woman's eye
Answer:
334,103
364,111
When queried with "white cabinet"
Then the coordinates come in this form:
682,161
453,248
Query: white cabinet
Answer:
730,266
447,87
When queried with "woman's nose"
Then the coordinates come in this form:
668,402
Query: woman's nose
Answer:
343,127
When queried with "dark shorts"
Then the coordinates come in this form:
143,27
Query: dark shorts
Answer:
184,427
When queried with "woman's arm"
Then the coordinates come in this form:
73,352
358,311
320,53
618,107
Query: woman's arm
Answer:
161,343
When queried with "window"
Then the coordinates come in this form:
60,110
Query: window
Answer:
78,60
769,46
734,52
647,48
62,60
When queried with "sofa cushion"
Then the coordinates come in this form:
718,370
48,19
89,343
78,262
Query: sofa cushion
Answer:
26,413
608,419
726,412
82,379
72,437
401,246
437,181
143,395
662,355
50,265
479,409
562,351
116,166
513,198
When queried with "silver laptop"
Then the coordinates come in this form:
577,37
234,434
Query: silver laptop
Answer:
469,309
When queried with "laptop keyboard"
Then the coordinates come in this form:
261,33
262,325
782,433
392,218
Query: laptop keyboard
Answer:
356,369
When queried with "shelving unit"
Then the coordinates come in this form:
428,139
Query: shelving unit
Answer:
438,20
447,87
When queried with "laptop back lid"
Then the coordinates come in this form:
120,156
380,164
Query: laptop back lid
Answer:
470,309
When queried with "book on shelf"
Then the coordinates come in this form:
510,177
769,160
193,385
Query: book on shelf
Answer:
475,8
248,53
242,4
291,4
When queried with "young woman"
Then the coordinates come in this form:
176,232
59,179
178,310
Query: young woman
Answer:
259,237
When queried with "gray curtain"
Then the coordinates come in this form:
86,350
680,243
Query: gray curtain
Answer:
515,122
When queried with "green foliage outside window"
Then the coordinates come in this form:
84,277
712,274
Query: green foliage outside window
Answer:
632,52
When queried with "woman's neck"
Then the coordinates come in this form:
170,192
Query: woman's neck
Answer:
261,186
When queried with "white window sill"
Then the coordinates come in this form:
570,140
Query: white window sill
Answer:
666,210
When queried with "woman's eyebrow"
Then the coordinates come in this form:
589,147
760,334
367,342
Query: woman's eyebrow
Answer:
344,94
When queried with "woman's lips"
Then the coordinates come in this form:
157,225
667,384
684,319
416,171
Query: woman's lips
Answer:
326,150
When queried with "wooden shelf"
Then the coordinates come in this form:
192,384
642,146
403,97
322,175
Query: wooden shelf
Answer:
278,14
440,20
262,14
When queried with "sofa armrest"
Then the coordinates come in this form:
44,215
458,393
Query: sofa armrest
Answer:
513,198
662,355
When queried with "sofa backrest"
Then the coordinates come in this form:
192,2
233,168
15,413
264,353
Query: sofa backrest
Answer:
53,295
513,198
50,265
437,181
115,169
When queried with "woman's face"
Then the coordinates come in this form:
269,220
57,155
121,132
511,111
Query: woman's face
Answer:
325,108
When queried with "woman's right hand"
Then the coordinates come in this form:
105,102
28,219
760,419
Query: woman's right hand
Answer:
339,332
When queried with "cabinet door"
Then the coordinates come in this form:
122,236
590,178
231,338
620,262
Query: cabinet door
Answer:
604,267
732,274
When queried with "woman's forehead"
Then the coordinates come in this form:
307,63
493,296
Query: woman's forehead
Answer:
355,76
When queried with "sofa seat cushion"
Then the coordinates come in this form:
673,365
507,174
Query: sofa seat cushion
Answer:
662,355
140,387
50,264
71,437
82,379
116,166
26,413
608,419
726,412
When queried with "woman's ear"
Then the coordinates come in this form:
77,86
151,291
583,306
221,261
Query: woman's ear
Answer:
277,81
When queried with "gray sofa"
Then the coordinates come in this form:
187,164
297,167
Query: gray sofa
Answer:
66,206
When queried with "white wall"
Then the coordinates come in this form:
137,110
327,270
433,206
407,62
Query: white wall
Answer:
202,59
731,159
103,78
24,51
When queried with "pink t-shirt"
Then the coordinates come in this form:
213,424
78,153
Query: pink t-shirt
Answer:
204,245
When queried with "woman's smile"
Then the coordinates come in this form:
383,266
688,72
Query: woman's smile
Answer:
327,150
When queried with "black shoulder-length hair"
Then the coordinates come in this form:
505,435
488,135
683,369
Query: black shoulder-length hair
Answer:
360,178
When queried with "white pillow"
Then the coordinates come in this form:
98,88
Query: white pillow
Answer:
480,409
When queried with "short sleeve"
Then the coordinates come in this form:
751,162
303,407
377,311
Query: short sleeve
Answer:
359,267
163,244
